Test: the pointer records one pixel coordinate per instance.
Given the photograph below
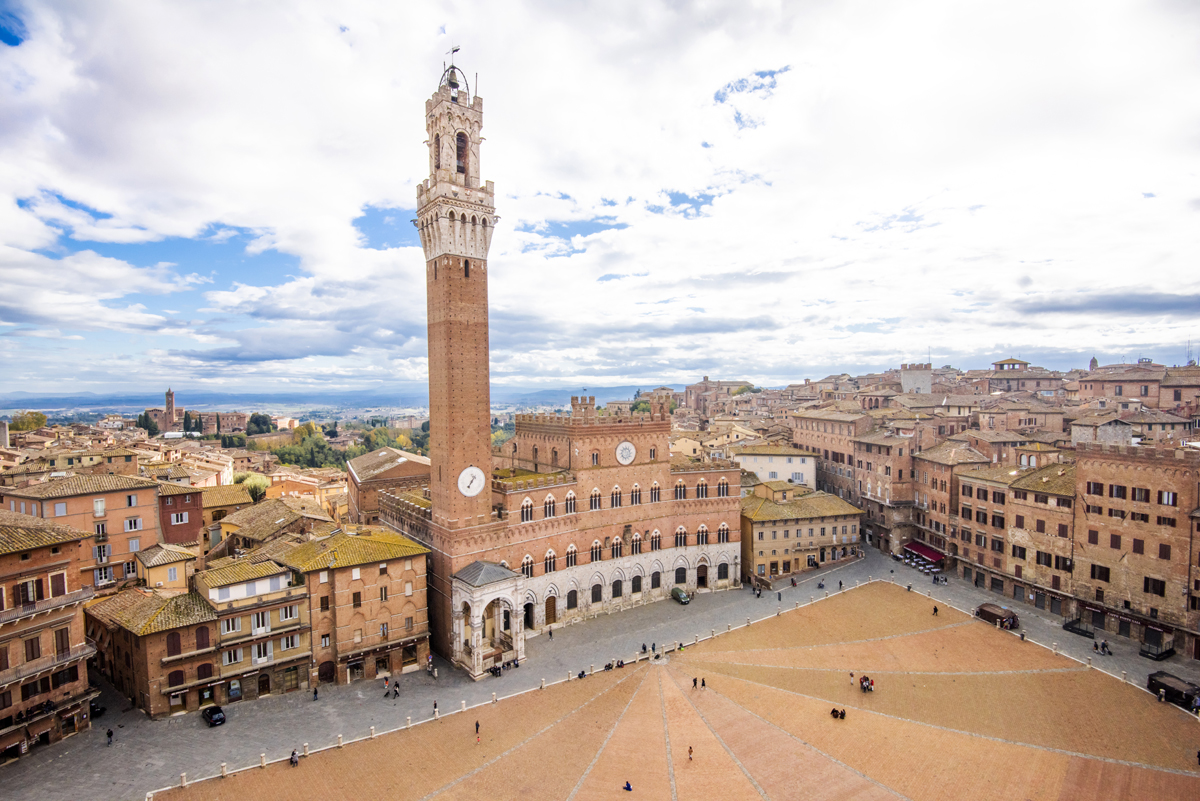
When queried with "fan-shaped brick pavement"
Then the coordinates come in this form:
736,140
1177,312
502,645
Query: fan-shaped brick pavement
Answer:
960,710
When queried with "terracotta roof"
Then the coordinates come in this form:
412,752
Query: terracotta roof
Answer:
170,488
1055,479
226,495
20,532
1003,474
951,453
86,484
1098,420
769,450
344,549
164,553
806,507
270,516
166,471
372,464
237,570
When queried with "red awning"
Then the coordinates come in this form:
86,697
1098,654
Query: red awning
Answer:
920,549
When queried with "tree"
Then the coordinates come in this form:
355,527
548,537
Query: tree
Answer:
642,406
259,424
255,483
27,421
304,431
331,430
146,422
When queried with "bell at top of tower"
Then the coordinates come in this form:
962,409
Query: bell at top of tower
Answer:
454,122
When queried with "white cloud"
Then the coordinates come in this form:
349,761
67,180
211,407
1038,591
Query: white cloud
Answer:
868,183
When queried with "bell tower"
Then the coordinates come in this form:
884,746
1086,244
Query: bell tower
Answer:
455,219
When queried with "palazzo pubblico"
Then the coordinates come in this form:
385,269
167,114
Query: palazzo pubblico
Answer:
579,514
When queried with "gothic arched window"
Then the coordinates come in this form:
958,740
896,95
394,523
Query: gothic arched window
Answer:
722,489
596,552
570,503
615,498
635,544
572,555
723,533
702,535
550,562
655,541
702,489
595,499
526,511
680,491
527,566
654,492
548,506
616,548
680,537
462,152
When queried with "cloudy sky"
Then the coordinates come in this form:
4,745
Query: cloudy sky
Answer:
219,196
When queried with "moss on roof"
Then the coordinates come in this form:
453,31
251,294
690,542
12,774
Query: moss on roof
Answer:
807,507
226,495
143,611
164,553
508,476
346,549
241,569
1055,479
20,532
85,484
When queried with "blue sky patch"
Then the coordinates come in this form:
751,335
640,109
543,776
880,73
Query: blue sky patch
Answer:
12,29
694,202
387,228
762,81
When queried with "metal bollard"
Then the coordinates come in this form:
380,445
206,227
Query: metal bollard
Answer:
856,582
494,695
778,611
568,679
714,634
225,770
464,706
543,684
997,624
826,593
1022,636
339,741
372,732
262,760
183,780
1124,676
435,673
437,715
306,749
811,599
697,640
797,604
729,627
593,670
870,579
1089,661
1055,645
408,724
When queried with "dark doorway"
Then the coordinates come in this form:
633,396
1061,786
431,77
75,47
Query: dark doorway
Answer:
327,672
264,684
702,576
528,616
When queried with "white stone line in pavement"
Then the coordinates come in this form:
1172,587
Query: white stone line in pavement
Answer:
662,705
807,744
849,642
604,744
724,745
979,735
1078,669
524,742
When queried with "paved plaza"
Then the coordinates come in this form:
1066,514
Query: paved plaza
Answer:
960,710
953,666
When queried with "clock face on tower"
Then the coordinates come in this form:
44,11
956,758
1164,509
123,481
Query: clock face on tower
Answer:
471,481
626,452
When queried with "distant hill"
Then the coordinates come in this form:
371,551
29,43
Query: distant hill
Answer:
410,395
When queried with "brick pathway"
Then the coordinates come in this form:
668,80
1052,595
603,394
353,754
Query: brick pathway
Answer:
961,710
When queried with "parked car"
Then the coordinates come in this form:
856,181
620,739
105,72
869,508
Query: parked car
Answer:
95,709
213,715
1176,690
992,613
679,595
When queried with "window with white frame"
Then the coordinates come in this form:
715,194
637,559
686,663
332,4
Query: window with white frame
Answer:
232,656
355,574
172,574
289,642
289,612
135,544
262,652
133,524
179,517
261,621
231,625
98,507
131,500
60,510
103,575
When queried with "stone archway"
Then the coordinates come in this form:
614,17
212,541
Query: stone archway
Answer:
702,576
528,616
327,673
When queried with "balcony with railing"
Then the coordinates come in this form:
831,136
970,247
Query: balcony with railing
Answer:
46,663
46,605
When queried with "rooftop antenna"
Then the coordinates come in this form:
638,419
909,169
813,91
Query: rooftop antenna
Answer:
451,53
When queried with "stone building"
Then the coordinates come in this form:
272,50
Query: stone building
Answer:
884,479
588,513
829,436
367,604
936,515
1136,516
181,513
120,511
44,690
788,529
388,469
777,463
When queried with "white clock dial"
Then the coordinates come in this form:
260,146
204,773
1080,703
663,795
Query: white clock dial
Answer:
471,481
626,452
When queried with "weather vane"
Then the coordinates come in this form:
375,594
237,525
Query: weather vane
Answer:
451,53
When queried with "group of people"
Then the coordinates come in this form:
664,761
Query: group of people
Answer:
1102,648
838,714
701,686
619,663
498,670
866,684
940,580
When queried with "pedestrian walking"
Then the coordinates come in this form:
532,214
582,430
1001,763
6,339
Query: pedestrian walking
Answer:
779,596
386,683
314,693
702,685
477,727
689,753
477,742
1198,757
435,707
839,584
110,735
395,689
693,682
935,611
654,647
295,760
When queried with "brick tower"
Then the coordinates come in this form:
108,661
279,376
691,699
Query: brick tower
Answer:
169,411
455,218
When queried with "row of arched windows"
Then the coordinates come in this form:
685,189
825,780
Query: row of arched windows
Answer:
178,677
175,642
616,499
616,548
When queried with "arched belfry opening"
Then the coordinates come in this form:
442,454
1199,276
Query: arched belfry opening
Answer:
462,152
